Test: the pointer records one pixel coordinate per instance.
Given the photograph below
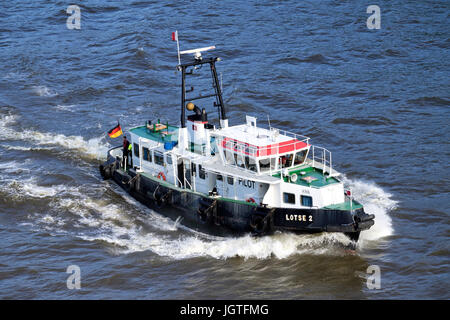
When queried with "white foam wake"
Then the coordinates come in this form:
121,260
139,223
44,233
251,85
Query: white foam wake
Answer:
376,201
122,226
128,231
44,91
29,188
14,167
95,147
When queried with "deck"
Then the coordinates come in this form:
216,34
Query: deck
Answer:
345,206
165,135
311,177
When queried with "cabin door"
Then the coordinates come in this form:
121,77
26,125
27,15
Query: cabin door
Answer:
180,169
220,185
184,173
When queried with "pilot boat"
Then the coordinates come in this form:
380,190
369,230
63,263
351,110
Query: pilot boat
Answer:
228,180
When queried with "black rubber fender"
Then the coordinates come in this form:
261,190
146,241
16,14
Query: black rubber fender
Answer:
105,171
259,224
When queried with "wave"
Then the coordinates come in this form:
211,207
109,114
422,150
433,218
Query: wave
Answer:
68,108
278,246
123,229
25,189
44,91
430,101
316,58
16,76
376,201
23,148
94,147
14,167
374,121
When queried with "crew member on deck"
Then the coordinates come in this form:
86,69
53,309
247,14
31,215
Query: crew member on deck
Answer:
130,154
126,144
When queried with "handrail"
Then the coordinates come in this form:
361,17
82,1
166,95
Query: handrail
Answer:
256,151
324,158
321,157
179,181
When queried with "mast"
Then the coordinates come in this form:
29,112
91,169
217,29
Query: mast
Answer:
218,91
196,64
183,96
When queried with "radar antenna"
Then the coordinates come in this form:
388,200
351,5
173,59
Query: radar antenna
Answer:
198,52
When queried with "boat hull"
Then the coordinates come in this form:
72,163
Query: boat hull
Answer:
219,216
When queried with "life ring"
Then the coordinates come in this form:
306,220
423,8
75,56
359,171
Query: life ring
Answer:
251,200
294,177
161,176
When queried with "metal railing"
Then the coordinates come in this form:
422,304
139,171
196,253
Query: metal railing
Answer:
321,159
261,151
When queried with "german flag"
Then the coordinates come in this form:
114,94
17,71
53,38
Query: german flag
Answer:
116,131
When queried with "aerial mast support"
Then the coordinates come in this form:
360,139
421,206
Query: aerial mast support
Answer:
198,61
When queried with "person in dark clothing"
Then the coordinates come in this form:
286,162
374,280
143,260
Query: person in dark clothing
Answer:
126,144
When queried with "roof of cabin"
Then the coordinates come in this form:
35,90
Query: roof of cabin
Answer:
160,136
261,141
253,135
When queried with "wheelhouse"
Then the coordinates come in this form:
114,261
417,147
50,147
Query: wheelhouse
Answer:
260,150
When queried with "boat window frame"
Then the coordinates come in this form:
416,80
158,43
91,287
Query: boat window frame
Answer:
136,149
201,172
286,155
302,196
169,156
247,163
149,154
289,194
272,166
304,158
160,155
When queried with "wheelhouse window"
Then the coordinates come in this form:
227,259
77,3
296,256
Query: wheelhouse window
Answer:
286,160
146,154
267,164
136,149
300,157
213,145
306,201
169,158
240,162
194,169
230,180
289,198
219,177
159,158
230,157
250,163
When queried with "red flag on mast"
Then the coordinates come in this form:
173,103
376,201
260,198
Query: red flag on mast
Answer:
175,36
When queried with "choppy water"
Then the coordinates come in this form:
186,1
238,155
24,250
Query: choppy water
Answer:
379,99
